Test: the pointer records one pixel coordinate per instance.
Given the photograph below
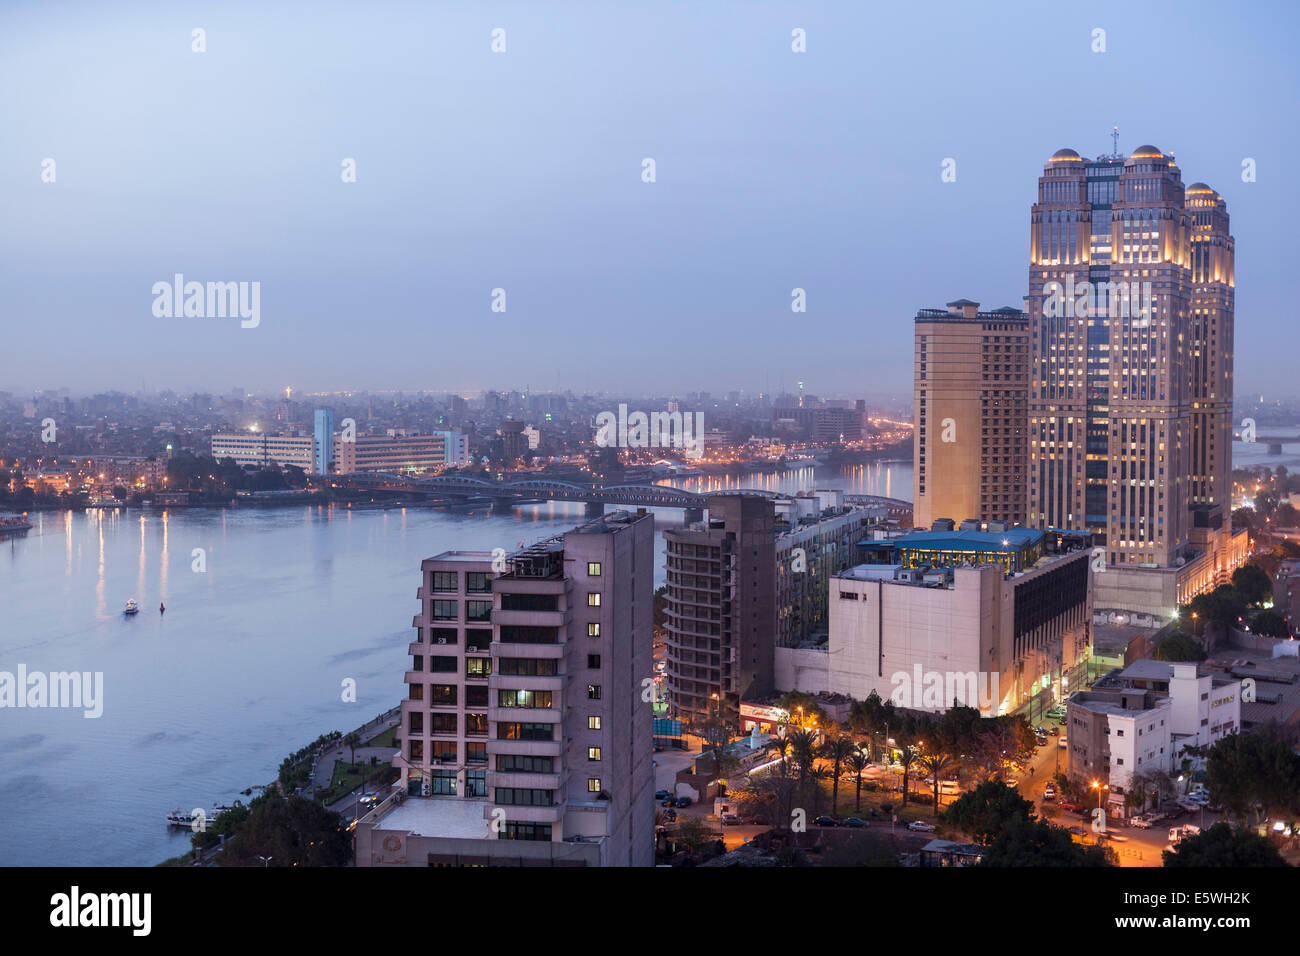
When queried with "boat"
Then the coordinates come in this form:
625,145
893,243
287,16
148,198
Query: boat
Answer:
13,523
185,818
131,607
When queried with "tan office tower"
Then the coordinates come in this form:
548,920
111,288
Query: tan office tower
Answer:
1130,390
970,390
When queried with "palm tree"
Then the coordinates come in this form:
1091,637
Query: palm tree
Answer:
351,741
803,751
837,750
858,762
936,763
780,750
817,775
907,757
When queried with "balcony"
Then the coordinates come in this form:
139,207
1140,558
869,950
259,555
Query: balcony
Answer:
552,814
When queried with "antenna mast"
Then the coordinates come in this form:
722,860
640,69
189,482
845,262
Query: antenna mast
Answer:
1114,141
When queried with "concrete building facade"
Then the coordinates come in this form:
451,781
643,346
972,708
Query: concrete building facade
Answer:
970,387
526,736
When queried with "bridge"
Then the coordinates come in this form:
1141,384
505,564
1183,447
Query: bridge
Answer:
504,494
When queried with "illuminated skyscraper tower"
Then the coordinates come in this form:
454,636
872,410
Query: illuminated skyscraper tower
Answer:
1130,304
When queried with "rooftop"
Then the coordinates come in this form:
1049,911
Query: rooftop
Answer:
1013,539
454,817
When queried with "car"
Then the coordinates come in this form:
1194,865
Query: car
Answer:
1200,796
1062,744
670,802
1049,793
1068,805
670,815
1078,831
662,794
1055,731
1174,812
730,820
1042,740
826,822
1141,822
1155,816
758,820
683,803
855,822
921,826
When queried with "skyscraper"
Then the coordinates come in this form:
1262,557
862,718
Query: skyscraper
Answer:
970,381
1130,303
323,456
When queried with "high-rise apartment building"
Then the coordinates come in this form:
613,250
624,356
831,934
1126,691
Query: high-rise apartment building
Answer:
721,607
324,434
526,736
970,389
1131,315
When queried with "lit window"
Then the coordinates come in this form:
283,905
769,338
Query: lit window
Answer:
593,569
593,723
593,630
593,599
593,753
593,785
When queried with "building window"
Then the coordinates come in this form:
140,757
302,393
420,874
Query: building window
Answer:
476,783
445,581
442,664
593,599
527,831
593,785
593,692
478,667
442,694
593,753
593,630
517,731
443,635
443,783
476,753
478,582
522,763
593,569
523,698
478,611
593,662
445,611
593,723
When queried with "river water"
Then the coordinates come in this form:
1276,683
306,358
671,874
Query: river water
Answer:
248,661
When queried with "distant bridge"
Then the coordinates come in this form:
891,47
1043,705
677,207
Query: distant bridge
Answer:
507,493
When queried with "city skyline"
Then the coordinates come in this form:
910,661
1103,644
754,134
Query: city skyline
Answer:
774,171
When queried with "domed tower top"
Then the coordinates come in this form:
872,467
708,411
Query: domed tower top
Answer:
1065,156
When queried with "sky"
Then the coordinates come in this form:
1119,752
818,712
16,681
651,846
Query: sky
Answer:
523,170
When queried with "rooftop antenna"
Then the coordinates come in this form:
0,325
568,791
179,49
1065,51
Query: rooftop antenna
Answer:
1114,141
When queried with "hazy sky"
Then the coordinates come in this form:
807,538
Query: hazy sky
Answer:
522,170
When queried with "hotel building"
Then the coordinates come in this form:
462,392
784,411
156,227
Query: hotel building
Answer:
970,386
262,448
526,737
1000,621
399,454
1131,323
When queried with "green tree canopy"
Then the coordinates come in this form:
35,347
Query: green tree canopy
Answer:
988,810
1180,646
1220,845
1253,584
1025,843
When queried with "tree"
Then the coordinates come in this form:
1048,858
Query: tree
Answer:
1270,623
936,763
351,741
1033,843
803,752
839,749
986,811
858,762
1253,584
803,708
692,834
1254,772
1180,646
290,832
907,759
1220,845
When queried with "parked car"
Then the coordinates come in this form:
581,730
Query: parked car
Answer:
1176,811
1141,822
826,822
1062,744
1067,805
1055,731
921,826
1049,792
1042,741
855,822
683,802
1155,816
730,820
662,794
759,820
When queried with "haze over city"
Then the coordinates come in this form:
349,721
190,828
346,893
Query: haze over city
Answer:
522,171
